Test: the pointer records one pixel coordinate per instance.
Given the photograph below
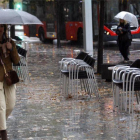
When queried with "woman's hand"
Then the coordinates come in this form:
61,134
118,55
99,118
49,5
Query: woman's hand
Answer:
120,28
9,45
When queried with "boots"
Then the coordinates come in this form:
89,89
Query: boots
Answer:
3,134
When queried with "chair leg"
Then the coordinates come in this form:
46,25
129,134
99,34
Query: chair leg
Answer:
96,85
117,96
81,83
130,101
96,88
114,99
85,85
137,97
61,82
65,86
90,83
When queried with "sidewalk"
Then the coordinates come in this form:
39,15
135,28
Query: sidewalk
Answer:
42,112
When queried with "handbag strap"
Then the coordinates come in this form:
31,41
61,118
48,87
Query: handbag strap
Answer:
6,74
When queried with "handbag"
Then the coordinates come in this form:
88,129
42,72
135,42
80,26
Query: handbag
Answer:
11,77
127,36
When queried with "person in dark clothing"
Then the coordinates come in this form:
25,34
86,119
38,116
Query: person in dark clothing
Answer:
124,38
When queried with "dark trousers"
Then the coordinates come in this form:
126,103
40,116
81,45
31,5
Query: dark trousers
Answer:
124,50
136,64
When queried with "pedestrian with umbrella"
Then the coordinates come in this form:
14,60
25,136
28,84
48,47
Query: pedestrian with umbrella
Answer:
9,55
123,41
124,33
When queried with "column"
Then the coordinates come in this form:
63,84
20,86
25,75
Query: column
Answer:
87,26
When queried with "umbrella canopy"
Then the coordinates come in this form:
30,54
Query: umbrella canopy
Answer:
131,18
17,17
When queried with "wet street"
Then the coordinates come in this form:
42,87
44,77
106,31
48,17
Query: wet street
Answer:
42,112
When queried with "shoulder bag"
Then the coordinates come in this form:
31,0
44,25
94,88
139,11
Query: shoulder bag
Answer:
127,36
11,77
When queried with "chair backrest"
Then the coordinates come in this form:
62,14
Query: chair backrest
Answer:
82,56
17,38
92,62
136,64
89,60
21,51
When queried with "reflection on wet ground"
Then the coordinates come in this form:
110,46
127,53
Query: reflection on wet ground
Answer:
42,113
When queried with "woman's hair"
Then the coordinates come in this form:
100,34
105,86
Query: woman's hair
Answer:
125,22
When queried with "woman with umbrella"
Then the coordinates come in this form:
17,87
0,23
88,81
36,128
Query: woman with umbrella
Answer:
124,38
123,31
8,55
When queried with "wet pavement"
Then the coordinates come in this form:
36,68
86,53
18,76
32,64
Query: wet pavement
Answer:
42,112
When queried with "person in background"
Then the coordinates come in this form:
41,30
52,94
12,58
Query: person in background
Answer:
124,38
8,55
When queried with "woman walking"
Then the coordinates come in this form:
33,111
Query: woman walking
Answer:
8,55
124,38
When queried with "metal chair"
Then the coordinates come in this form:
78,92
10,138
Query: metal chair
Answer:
116,81
22,67
83,71
134,87
80,58
126,82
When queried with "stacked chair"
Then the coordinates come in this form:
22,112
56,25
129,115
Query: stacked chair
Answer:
78,73
22,67
127,79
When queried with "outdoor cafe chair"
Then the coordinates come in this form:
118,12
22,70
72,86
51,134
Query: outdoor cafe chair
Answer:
118,80
125,83
22,67
66,79
65,63
132,83
115,76
81,70
73,75
134,87
127,86
80,58
88,79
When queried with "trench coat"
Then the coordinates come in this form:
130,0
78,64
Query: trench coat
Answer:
13,57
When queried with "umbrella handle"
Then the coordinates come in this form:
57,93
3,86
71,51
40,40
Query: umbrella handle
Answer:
9,27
